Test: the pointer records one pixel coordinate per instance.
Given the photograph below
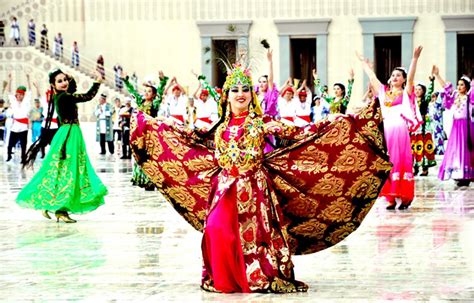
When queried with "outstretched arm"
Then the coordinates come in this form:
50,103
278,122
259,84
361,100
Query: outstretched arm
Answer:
78,98
131,89
367,66
270,68
412,69
435,72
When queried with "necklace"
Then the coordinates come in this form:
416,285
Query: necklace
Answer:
391,96
460,100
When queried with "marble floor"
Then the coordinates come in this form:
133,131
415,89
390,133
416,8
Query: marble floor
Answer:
137,249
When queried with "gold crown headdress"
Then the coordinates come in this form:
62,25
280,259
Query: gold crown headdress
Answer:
240,76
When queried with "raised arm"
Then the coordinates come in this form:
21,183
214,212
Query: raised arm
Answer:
350,83
173,81
270,68
131,88
90,94
435,72
412,69
367,66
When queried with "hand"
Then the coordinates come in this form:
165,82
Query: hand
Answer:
351,73
417,52
123,75
303,84
161,75
173,80
435,70
270,55
315,74
98,76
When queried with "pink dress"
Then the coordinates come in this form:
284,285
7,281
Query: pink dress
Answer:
399,117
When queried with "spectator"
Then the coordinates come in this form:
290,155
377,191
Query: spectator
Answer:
32,32
117,136
58,46
75,55
2,33
15,31
103,112
125,114
36,117
100,66
44,39
118,81
3,117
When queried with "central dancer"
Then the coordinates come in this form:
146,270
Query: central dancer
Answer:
258,209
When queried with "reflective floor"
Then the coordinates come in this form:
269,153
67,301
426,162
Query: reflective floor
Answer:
137,249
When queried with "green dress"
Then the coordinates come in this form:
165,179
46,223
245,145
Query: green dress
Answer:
66,180
335,105
138,176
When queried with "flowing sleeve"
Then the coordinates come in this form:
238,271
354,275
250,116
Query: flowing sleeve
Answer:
271,97
178,162
290,132
347,97
214,94
328,183
132,91
159,93
89,95
448,95
471,93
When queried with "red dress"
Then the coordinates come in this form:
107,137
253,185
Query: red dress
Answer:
257,209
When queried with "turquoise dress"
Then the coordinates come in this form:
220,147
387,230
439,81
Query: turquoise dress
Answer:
66,180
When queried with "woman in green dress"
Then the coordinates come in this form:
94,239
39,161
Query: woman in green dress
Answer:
149,104
66,182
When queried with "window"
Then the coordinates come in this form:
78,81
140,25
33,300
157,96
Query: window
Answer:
388,55
303,59
222,51
465,55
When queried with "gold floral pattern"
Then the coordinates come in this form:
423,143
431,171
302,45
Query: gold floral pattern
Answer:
175,170
329,185
341,233
312,228
339,210
351,159
200,163
364,186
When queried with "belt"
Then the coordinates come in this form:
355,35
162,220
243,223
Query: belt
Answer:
22,120
306,118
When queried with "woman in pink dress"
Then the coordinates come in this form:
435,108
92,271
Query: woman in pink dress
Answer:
399,116
458,161
256,209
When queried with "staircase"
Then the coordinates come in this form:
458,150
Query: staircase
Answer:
23,60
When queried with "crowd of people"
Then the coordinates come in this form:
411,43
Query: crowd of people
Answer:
248,145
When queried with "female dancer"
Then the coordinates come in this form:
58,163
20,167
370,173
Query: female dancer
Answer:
257,209
422,140
337,103
397,100
458,158
149,104
66,181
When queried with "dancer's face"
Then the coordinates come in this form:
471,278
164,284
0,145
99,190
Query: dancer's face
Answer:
263,84
288,95
61,83
419,91
338,91
462,89
239,98
149,94
397,79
